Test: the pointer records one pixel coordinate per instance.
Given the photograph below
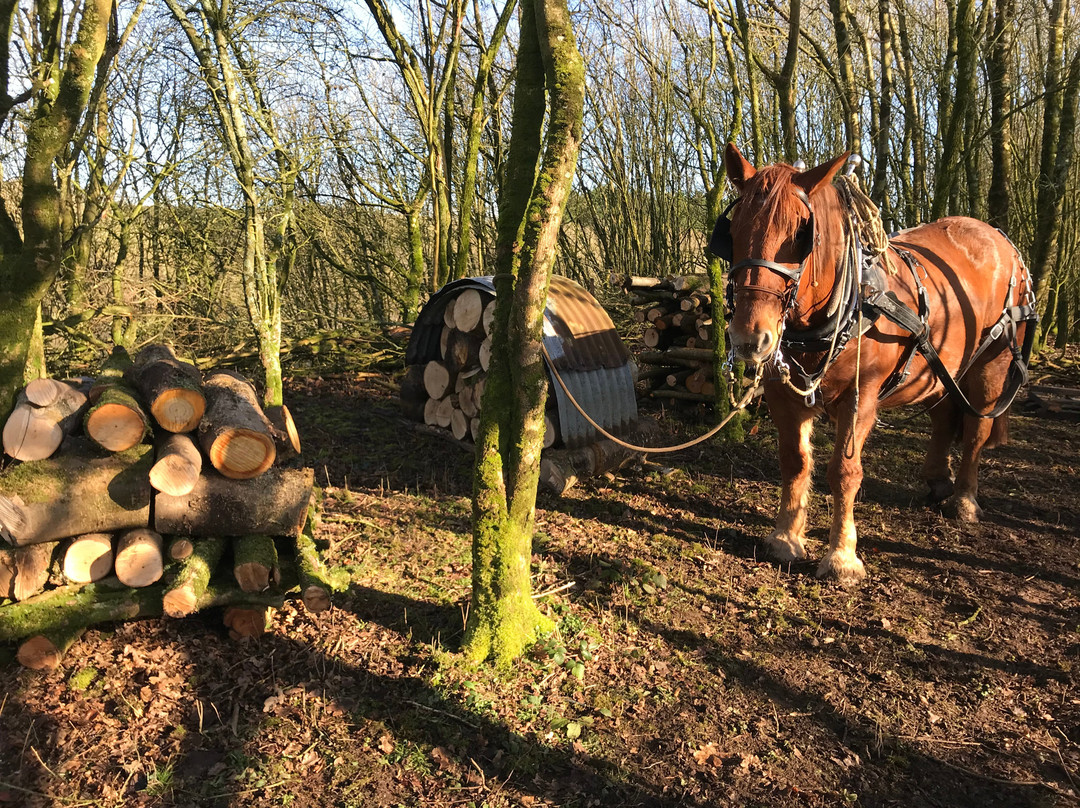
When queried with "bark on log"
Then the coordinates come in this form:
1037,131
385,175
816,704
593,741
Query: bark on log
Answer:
35,432
24,571
107,601
179,463
274,503
285,434
140,557
88,558
45,652
561,468
70,495
234,432
182,595
255,562
171,387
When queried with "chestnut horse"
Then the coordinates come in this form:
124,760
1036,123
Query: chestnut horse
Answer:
940,312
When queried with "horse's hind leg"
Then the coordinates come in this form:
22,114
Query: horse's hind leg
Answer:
937,470
963,504
794,425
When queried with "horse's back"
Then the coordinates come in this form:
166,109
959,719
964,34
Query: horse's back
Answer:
966,259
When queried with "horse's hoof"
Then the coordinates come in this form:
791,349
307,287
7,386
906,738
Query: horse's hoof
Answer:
785,547
940,490
963,509
847,569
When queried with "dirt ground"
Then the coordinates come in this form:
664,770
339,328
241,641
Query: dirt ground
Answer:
686,669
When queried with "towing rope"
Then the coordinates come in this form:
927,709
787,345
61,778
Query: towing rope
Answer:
743,404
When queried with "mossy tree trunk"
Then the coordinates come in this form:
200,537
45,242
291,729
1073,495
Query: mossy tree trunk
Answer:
504,619
29,262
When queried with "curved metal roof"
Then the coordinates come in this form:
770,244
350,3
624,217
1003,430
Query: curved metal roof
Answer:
582,345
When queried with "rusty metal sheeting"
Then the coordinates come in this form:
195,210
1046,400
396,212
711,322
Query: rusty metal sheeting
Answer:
583,347
587,337
606,394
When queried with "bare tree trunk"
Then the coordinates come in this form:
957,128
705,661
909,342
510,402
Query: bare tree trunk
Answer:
999,198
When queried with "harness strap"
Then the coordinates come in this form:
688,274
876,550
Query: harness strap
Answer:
891,307
897,379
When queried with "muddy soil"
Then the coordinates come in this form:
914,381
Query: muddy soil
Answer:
686,670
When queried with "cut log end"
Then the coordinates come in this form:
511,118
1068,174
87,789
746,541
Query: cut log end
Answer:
27,436
245,622
241,454
179,409
115,427
316,598
181,548
88,558
180,602
139,558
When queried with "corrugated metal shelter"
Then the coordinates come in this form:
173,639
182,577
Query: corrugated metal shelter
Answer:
582,345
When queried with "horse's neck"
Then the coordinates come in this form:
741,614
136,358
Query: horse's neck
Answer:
822,287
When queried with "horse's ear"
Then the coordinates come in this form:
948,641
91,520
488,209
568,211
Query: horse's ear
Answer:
738,167
814,178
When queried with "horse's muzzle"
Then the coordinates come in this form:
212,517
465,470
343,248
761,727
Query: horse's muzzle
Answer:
754,348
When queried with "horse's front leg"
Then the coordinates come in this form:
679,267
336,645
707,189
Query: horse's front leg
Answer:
795,426
845,479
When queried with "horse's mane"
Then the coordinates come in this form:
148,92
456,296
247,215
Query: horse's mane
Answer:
773,197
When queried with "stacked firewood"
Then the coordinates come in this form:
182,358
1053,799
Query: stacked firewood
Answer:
679,336
132,490
445,393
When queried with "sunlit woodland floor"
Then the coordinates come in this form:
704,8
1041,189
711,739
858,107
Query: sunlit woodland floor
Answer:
686,670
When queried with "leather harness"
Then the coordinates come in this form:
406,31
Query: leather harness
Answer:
860,297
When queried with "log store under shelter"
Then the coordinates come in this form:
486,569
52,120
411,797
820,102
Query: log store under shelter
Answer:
581,344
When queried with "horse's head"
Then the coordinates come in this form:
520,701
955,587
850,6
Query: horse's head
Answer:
771,236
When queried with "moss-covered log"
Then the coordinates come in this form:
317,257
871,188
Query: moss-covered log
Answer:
274,503
255,562
45,652
317,583
182,594
69,607
115,419
70,495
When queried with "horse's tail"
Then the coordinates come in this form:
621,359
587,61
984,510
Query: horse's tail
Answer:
999,432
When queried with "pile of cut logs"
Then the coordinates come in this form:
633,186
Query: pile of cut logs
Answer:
679,338
113,512
445,393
